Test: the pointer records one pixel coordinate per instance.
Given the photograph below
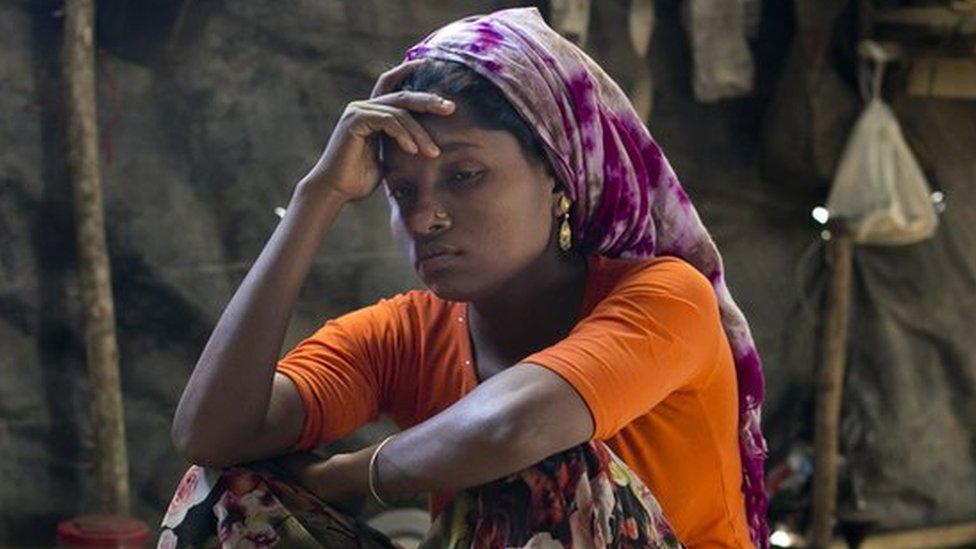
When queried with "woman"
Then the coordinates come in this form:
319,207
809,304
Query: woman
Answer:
576,351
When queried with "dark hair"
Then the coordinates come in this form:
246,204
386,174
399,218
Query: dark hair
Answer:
488,106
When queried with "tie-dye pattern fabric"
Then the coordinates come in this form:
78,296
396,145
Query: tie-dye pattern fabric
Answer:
627,201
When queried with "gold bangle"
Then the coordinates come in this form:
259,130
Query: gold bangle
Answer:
372,473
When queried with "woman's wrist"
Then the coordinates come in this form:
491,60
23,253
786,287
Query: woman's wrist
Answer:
316,202
316,191
327,479
345,478
372,475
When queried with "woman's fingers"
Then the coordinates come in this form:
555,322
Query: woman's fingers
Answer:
391,114
371,120
350,162
400,105
391,126
391,78
417,101
417,132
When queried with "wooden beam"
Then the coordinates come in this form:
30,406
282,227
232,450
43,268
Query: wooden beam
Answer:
941,20
942,77
956,535
101,347
830,388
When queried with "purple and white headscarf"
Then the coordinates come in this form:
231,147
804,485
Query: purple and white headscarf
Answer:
627,201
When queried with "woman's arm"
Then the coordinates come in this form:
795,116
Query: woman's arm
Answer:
511,421
234,408
507,423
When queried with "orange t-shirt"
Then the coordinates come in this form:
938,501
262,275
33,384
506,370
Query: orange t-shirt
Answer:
649,358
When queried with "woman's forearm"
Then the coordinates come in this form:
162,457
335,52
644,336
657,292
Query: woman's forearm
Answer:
464,445
227,396
510,421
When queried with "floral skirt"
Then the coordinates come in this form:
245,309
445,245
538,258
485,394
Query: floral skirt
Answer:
582,497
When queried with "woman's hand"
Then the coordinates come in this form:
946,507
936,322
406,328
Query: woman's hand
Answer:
330,480
350,163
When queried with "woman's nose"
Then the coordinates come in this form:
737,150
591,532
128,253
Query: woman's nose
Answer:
428,218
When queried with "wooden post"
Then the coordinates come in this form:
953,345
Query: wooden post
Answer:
101,347
830,388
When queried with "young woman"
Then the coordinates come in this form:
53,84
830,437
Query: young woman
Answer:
576,373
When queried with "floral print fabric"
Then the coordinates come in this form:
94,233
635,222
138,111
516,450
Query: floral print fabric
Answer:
582,497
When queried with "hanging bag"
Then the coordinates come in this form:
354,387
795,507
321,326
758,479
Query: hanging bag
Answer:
879,189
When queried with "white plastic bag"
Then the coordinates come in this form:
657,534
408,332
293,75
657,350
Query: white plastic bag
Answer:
879,189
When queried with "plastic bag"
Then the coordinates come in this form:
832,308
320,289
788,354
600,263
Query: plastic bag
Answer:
879,189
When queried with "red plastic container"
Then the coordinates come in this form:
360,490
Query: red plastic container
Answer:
102,531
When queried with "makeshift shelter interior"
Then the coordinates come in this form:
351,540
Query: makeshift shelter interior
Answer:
210,111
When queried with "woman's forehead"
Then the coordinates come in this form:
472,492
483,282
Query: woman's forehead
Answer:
452,136
394,159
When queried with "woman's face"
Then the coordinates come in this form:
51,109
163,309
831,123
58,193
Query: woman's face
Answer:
499,207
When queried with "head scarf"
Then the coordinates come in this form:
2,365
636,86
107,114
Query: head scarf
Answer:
627,201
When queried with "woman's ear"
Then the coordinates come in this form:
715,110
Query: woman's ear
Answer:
557,194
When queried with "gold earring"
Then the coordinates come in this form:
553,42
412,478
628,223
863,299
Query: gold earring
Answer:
565,233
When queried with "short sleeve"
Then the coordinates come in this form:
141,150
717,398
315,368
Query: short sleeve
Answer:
649,336
340,372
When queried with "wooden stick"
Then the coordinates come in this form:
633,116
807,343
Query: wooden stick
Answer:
830,388
78,64
936,19
953,535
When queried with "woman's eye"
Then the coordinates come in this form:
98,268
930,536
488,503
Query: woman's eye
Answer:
398,193
465,175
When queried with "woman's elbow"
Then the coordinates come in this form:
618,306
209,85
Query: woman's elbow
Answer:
184,443
196,449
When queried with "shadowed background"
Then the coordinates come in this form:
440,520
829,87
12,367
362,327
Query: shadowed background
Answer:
210,112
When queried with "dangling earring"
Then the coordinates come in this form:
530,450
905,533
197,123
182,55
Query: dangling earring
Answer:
565,233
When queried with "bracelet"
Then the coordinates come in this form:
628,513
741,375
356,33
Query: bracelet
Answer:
372,473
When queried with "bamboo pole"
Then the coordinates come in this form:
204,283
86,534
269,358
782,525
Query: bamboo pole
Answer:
101,347
830,388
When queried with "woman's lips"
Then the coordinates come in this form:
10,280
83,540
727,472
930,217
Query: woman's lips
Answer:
437,261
